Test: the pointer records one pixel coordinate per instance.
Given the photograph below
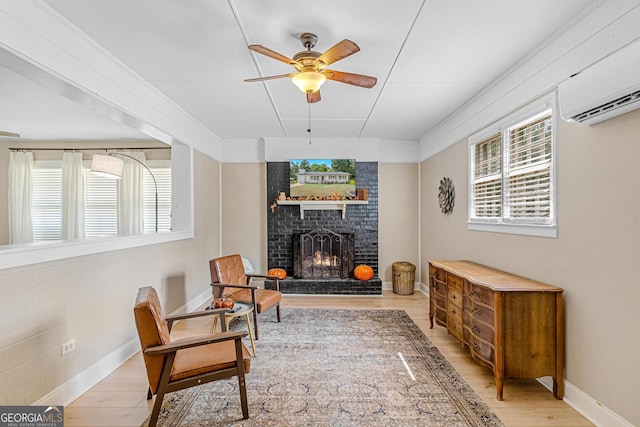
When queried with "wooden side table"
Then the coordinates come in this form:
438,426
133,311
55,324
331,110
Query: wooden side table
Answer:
239,309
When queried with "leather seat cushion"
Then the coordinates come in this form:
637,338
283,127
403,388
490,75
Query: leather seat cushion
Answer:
207,358
265,298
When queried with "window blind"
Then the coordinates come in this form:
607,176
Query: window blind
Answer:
529,171
487,185
101,206
46,200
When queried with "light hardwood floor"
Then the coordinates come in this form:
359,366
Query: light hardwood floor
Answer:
120,399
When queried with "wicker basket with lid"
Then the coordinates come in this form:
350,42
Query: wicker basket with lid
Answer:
404,276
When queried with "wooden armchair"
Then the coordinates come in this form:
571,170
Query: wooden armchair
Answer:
228,278
187,362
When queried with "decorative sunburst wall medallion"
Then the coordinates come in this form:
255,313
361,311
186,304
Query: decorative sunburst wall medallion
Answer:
446,195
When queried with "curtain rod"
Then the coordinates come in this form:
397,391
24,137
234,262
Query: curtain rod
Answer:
89,149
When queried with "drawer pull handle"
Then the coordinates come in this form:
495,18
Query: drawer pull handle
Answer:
453,297
475,311
475,294
475,328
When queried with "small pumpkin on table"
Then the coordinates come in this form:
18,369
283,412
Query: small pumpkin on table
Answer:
223,303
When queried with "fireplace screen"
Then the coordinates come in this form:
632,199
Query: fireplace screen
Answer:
323,254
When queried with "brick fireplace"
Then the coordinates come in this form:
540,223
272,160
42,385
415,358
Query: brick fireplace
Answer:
285,229
323,254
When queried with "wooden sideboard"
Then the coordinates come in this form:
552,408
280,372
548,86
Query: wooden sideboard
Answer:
511,324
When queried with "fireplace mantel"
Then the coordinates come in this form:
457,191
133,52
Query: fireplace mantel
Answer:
314,205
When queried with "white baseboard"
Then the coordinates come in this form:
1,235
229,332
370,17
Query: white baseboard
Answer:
424,288
82,382
195,302
418,286
587,406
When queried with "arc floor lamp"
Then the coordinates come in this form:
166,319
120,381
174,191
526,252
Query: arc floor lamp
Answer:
110,166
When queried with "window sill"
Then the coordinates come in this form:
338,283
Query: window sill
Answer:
550,231
34,253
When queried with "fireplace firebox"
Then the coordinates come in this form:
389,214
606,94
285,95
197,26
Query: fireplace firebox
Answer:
323,254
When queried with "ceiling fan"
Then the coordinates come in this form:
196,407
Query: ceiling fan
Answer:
311,71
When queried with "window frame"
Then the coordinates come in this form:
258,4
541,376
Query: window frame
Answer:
504,224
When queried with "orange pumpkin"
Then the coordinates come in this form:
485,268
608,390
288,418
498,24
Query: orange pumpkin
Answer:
363,272
280,273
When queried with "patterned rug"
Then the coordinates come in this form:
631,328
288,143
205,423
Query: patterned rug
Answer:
337,368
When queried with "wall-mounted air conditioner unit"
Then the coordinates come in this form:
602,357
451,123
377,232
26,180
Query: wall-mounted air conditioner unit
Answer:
606,89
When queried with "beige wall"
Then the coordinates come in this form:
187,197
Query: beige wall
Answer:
244,207
398,216
593,259
90,299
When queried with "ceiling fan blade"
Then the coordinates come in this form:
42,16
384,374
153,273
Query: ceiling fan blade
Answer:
313,97
261,79
337,52
10,134
272,54
351,78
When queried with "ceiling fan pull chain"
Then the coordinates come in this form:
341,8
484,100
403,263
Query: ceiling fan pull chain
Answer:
309,122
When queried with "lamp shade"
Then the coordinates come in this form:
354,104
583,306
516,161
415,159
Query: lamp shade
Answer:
107,166
309,81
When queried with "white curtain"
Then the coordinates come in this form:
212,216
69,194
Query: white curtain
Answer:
20,188
72,196
130,195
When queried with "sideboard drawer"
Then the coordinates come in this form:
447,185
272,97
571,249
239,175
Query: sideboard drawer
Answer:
441,315
479,312
455,297
439,288
439,300
481,294
482,350
455,282
455,311
481,330
454,326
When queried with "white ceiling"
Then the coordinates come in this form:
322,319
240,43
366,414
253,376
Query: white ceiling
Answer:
430,57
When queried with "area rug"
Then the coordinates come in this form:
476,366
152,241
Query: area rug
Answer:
337,368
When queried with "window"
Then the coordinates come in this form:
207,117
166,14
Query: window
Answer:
101,200
511,176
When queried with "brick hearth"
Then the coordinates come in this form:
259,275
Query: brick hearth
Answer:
329,287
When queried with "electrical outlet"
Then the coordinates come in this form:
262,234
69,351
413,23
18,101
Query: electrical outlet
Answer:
67,347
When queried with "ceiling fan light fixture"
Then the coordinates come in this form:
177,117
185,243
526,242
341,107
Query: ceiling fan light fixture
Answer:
309,81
